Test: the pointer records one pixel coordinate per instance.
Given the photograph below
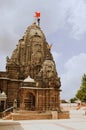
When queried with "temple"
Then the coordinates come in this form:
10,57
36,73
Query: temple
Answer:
31,82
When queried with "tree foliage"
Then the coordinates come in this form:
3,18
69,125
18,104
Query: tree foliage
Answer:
73,100
81,93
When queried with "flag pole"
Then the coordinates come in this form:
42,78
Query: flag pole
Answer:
38,20
37,16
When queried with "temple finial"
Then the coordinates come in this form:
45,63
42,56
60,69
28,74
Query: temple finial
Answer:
37,16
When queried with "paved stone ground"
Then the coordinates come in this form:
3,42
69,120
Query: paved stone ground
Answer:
77,121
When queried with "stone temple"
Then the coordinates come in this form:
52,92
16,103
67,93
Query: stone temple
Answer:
31,81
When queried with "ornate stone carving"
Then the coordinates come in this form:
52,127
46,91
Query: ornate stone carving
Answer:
48,69
14,56
32,57
37,50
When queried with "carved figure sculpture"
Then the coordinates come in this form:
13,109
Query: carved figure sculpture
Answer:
37,51
48,69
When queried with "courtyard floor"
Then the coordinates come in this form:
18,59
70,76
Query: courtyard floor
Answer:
77,121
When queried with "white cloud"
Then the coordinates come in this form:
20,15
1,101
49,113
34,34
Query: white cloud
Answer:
2,63
77,17
15,17
71,79
56,15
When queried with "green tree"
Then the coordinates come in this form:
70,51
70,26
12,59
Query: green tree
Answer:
81,93
73,100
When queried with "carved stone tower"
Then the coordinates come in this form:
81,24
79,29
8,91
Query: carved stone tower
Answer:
32,57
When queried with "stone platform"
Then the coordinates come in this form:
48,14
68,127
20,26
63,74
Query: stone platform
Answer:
77,121
34,115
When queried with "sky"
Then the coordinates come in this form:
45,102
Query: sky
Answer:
64,25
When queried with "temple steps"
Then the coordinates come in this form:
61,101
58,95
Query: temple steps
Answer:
35,115
28,115
8,117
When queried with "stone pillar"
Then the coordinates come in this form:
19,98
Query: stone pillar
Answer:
22,105
36,105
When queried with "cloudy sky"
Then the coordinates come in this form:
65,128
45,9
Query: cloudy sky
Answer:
64,25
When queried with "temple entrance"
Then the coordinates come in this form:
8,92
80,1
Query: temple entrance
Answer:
3,98
2,106
29,102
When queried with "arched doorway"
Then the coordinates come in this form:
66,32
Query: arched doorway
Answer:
29,102
3,98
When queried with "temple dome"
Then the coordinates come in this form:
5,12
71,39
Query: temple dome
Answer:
29,79
3,95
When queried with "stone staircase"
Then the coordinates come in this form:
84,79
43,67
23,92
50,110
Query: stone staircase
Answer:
8,117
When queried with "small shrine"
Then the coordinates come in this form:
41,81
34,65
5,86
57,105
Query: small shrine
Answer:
3,98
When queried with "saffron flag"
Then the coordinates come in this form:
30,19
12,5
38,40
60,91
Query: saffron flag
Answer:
37,14
49,46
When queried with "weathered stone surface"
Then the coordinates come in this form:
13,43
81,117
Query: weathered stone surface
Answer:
32,57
